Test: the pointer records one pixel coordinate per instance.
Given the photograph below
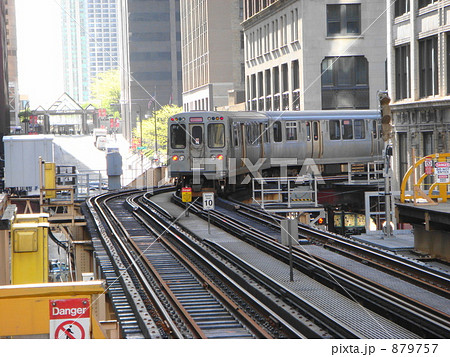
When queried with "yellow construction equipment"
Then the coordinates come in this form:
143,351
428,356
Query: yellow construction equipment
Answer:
29,253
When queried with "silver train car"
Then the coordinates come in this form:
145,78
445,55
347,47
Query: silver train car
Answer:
218,149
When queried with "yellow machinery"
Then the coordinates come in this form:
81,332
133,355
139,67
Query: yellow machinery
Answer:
29,253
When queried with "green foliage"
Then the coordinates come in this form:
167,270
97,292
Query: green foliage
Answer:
24,115
160,119
105,90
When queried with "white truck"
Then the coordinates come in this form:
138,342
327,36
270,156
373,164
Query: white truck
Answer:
100,138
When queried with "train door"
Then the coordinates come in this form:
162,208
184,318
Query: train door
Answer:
197,142
236,146
375,133
313,139
261,136
244,144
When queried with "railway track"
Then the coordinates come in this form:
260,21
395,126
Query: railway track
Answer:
417,317
407,269
175,291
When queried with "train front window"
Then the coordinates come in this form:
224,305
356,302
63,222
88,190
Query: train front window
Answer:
335,130
347,129
197,134
178,136
216,135
360,130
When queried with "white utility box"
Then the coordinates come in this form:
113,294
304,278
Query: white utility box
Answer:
22,154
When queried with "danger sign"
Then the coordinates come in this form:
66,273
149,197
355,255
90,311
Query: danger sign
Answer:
442,172
428,166
70,319
186,194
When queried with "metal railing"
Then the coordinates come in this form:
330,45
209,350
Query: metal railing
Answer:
289,191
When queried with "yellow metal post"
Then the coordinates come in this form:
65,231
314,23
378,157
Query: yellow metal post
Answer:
50,179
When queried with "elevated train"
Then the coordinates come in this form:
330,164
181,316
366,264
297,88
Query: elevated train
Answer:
209,149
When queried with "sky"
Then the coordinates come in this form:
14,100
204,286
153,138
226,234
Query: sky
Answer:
39,51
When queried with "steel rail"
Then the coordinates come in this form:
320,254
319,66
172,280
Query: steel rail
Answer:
409,270
260,332
187,319
338,330
117,230
428,321
161,284
143,319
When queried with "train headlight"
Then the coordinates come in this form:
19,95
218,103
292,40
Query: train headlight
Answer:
181,158
220,157
175,158
213,156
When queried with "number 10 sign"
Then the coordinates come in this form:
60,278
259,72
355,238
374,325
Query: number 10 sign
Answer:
208,201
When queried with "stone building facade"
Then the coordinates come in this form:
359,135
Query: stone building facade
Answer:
419,78
314,54
212,53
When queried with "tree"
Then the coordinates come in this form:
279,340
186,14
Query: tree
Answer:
159,119
105,90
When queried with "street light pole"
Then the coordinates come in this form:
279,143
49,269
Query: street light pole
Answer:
156,138
142,156
140,134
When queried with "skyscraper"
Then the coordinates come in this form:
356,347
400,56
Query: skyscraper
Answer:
4,106
90,43
11,39
103,36
212,52
150,57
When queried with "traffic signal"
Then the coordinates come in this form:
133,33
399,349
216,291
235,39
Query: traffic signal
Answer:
386,117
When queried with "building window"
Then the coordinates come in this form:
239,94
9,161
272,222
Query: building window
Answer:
343,20
401,7
295,85
294,25
428,65
345,83
423,3
448,62
402,72
402,154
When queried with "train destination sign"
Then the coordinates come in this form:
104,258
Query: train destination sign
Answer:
70,319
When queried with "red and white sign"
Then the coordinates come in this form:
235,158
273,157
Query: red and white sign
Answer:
70,319
442,172
428,167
